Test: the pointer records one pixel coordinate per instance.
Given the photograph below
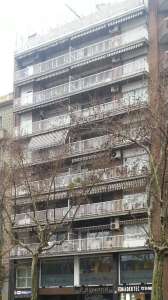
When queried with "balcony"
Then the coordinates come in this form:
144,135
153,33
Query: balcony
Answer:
109,13
77,56
163,32
108,77
137,203
102,176
163,63
89,244
81,116
162,5
93,145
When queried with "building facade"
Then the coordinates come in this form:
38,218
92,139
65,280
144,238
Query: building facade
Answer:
100,63
6,129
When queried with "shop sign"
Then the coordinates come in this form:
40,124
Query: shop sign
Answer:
135,288
22,292
94,290
96,278
98,297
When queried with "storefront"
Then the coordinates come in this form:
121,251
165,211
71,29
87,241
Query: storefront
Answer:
57,272
135,276
136,268
96,270
135,292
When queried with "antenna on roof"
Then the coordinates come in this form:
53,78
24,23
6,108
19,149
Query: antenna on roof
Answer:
34,32
73,11
97,5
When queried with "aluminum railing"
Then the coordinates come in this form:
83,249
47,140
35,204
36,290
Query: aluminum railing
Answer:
82,54
88,244
100,143
163,30
110,12
100,176
84,84
135,203
85,115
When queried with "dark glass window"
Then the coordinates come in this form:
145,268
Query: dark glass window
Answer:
57,272
96,270
136,268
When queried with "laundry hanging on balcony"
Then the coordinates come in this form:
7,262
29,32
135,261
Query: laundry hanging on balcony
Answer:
48,140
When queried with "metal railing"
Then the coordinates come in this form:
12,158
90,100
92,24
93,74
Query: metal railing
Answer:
100,176
87,244
80,116
81,54
135,203
101,143
163,30
84,84
110,12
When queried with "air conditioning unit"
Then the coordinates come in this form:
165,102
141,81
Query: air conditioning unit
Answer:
114,223
116,58
115,88
114,28
116,153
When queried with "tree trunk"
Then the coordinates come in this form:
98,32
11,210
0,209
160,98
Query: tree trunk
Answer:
1,243
33,276
157,276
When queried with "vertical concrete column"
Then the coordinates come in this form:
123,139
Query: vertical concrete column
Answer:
116,296
12,279
76,270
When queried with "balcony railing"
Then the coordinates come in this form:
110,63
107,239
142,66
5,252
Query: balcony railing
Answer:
101,143
136,203
163,32
88,244
81,116
100,176
76,56
84,84
110,12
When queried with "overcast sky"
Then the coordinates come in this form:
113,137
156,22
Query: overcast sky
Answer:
24,16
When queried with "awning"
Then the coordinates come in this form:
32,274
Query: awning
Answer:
48,140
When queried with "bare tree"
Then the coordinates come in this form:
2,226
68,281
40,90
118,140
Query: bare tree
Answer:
142,124
29,184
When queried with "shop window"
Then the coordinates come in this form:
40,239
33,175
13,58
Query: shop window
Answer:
23,276
96,270
136,268
57,272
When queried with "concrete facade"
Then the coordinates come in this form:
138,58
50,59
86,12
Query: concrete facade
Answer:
106,59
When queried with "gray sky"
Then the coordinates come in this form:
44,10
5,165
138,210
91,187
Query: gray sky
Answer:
37,15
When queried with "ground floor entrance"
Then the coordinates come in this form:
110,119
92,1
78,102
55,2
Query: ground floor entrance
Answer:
135,296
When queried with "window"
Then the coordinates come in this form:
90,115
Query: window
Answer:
135,229
57,272
96,270
136,268
23,276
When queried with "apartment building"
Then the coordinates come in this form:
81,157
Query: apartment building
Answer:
92,64
6,128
